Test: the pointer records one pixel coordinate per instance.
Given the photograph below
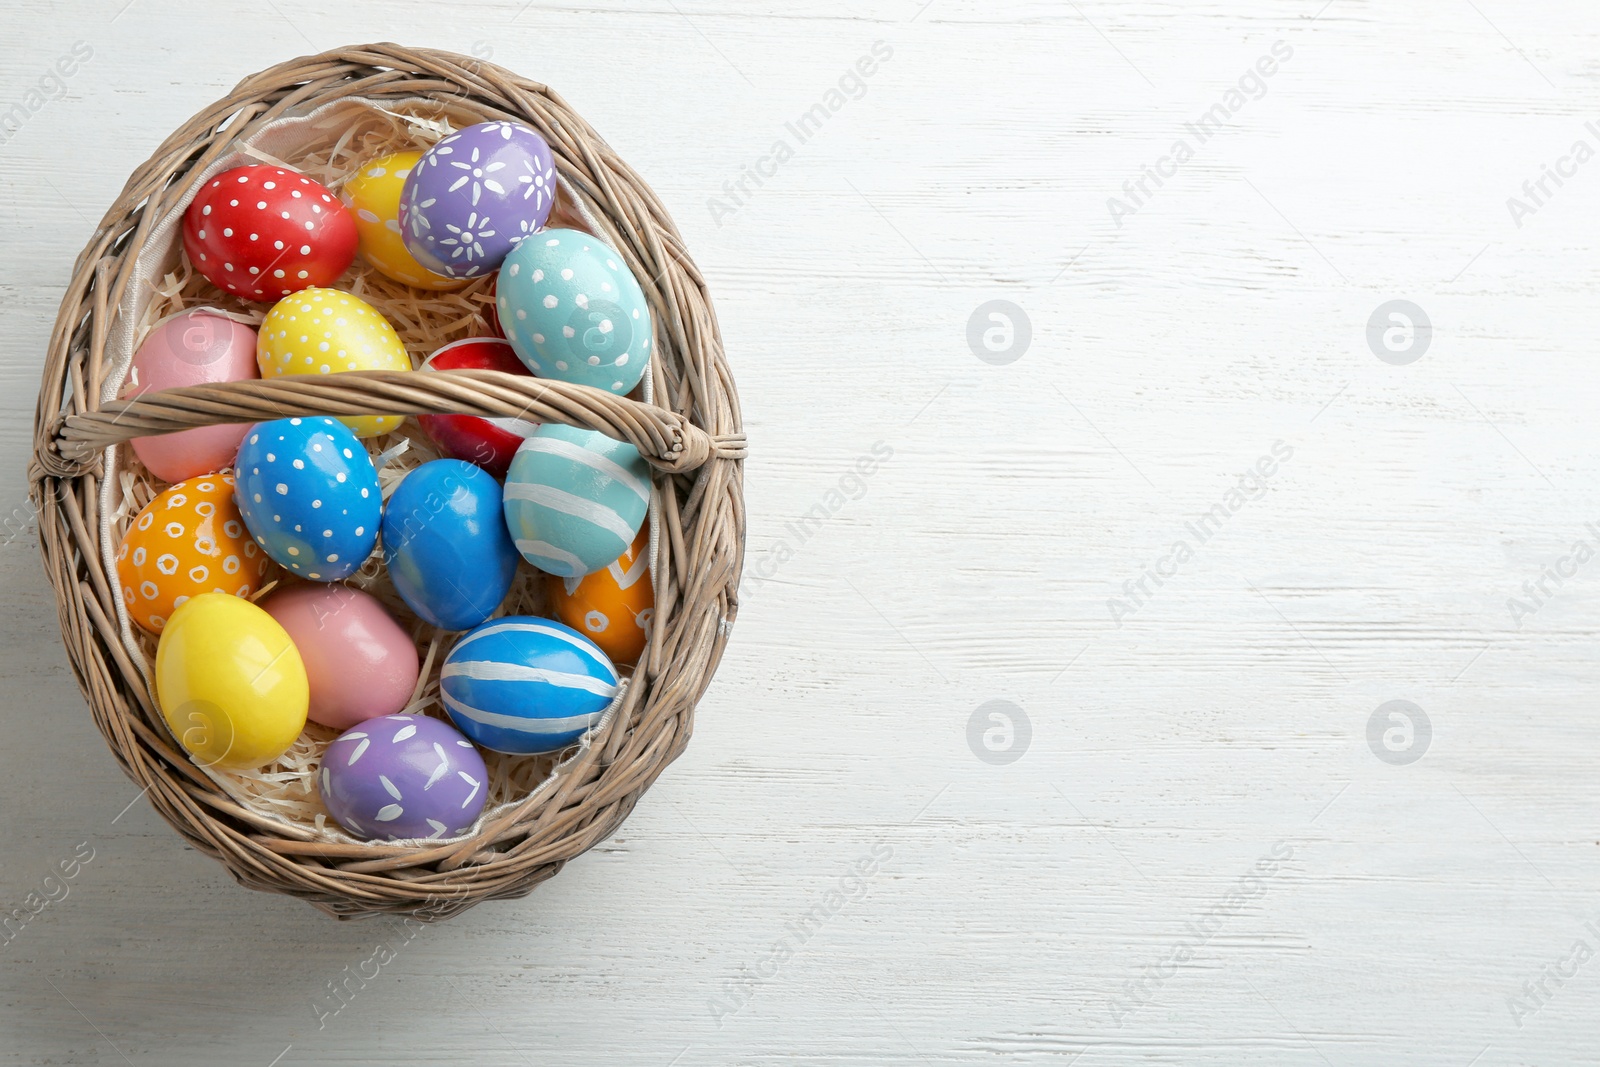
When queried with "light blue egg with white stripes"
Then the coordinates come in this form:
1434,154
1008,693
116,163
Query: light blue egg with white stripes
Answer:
574,499
521,684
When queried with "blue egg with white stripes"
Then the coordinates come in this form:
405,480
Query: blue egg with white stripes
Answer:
308,494
574,499
521,684
446,546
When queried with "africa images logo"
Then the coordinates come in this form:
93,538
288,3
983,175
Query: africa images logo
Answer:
1252,484
1251,85
850,85
52,86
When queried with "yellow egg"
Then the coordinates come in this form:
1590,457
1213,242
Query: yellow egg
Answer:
230,682
325,331
373,197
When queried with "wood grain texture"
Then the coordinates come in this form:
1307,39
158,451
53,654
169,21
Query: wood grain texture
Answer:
1221,727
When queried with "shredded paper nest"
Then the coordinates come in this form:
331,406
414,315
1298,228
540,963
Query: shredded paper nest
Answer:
425,320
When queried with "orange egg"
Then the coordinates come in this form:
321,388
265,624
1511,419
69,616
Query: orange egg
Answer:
614,606
187,541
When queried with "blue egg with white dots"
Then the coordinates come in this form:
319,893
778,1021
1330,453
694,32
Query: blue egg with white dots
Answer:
573,311
309,496
446,545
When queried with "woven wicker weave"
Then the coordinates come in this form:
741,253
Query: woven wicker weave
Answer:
691,435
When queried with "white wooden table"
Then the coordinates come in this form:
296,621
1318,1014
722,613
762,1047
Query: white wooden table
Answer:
1191,853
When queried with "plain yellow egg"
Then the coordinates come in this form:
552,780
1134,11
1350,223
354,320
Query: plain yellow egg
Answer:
326,331
230,682
373,197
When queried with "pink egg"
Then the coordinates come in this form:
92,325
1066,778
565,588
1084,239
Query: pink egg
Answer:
194,348
360,663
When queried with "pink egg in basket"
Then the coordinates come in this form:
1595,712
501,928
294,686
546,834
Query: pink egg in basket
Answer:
194,348
360,664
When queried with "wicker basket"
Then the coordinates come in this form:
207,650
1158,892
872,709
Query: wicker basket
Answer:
690,433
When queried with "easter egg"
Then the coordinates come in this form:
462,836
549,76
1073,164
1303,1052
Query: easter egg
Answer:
574,311
474,195
230,682
373,197
325,331
192,348
490,443
262,232
574,499
309,496
189,540
614,606
522,684
359,662
403,777
446,546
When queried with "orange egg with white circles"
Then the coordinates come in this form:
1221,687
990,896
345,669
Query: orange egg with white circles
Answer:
614,606
188,540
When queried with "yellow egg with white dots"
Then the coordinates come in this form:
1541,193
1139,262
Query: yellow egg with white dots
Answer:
325,331
373,196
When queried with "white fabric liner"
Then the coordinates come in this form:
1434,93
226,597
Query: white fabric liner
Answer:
284,139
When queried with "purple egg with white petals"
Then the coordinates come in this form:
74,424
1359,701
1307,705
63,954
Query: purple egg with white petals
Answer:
474,195
403,777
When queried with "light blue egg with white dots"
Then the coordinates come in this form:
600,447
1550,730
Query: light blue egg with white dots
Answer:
573,311
574,499
308,493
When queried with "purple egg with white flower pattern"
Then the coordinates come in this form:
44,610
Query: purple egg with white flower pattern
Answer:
473,196
403,777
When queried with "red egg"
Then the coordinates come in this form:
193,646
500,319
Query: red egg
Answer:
264,232
490,443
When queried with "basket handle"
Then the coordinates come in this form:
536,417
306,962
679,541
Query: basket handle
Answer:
668,440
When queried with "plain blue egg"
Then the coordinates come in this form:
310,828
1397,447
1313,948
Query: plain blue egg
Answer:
308,494
446,545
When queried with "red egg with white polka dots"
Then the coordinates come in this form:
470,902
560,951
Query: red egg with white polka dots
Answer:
263,232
